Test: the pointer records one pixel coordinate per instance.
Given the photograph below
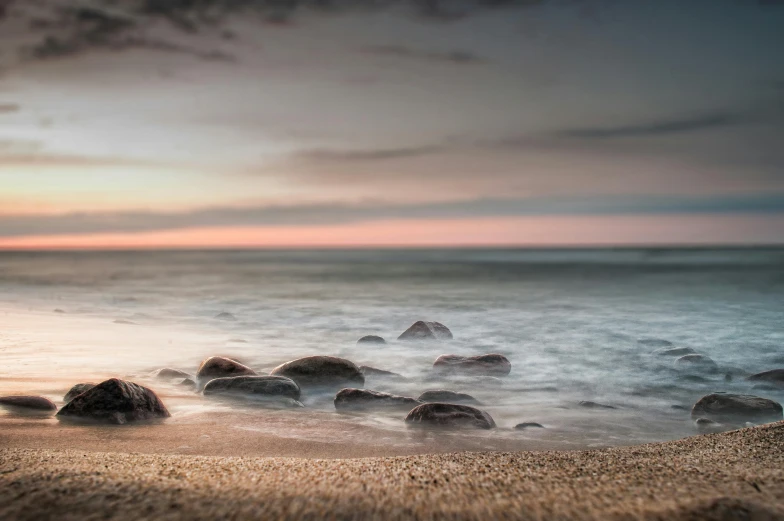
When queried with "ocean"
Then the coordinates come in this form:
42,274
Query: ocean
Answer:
576,324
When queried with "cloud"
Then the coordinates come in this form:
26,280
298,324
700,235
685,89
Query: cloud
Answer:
654,128
321,214
399,51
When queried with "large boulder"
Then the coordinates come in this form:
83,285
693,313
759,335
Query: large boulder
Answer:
449,415
33,404
422,330
774,377
321,371
697,363
736,409
221,367
365,399
487,365
258,387
371,339
115,401
445,396
76,390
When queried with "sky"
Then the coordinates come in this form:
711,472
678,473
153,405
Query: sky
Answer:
261,123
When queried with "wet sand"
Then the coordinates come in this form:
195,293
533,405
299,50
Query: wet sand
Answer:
733,475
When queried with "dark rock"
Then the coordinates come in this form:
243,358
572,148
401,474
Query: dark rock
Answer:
365,399
220,367
254,387
225,316
654,342
449,415
594,405
188,382
28,403
167,373
528,425
775,377
489,365
371,339
115,401
675,351
736,409
445,396
321,371
422,330
696,362
76,390
367,371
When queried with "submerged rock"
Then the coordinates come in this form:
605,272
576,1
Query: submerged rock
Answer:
654,342
76,390
115,401
736,409
167,373
696,362
775,377
189,382
445,396
367,371
220,367
37,404
365,399
705,426
449,415
675,351
528,425
422,330
371,339
321,371
488,365
225,316
260,387
594,405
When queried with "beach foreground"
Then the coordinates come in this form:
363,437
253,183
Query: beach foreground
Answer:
733,475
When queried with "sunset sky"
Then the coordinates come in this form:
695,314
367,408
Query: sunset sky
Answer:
137,123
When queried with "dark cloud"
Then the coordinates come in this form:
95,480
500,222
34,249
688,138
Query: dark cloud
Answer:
654,128
380,154
326,214
399,51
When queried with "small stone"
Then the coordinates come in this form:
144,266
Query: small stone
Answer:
654,342
219,367
445,396
225,316
594,405
365,399
371,339
126,322
422,330
528,425
489,365
449,415
704,425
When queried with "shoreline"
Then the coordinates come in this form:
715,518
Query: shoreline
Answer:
732,475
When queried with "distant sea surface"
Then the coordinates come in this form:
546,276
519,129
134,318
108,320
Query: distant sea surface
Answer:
575,324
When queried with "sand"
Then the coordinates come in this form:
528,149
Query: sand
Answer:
733,475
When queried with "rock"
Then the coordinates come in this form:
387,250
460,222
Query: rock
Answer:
58,310
488,365
371,339
775,377
449,415
76,390
528,425
367,371
321,371
654,342
675,351
365,399
444,396
594,405
258,387
704,425
696,362
115,401
422,330
37,404
220,367
188,382
736,409
167,373
225,316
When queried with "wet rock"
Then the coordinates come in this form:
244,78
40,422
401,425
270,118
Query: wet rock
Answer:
321,371
422,330
36,404
225,316
449,415
489,365
675,351
167,373
445,396
76,390
221,367
371,339
654,342
257,387
736,409
594,405
774,377
705,426
115,401
374,372
700,363
365,399
528,425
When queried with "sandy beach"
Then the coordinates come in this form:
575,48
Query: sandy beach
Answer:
728,476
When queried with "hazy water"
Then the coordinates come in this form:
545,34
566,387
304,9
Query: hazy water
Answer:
570,321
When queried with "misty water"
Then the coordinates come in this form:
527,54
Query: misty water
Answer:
575,324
